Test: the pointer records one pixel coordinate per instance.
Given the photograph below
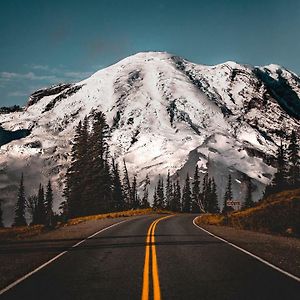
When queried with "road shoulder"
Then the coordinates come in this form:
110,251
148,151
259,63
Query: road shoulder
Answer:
283,252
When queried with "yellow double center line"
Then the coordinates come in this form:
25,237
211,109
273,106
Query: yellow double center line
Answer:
150,247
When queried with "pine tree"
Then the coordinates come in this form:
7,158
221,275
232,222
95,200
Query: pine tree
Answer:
20,206
294,160
169,192
228,196
186,195
196,191
1,214
248,199
213,204
160,193
49,206
177,197
73,187
135,199
118,197
40,208
99,172
203,196
155,203
279,181
145,200
127,187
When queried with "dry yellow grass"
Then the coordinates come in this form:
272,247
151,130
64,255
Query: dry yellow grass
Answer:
120,214
20,232
278,213
29,231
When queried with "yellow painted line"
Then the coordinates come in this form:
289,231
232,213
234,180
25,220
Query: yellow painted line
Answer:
150,245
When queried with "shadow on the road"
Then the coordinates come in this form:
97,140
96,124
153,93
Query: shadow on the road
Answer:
97,243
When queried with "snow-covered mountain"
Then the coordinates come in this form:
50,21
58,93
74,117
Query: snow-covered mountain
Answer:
165,113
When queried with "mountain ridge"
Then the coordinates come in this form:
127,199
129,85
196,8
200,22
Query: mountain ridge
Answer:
165,113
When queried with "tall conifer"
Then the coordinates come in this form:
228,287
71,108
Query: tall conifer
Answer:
20,205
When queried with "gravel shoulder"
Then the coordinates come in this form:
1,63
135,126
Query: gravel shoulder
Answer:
19,257
283,252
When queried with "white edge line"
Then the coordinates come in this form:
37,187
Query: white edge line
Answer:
55,258
249,253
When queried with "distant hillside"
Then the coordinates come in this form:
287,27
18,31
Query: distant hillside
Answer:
279,213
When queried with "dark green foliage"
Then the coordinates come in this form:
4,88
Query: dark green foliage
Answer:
213,205
169,192
160,193
135,198
127,187
74,176
20,205
279,181
40,215
99,177
117,192
145,199
186,195
294,161
176,197
196,192
228,196
49,206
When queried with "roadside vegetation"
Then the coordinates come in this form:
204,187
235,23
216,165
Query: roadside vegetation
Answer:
23,232
279,213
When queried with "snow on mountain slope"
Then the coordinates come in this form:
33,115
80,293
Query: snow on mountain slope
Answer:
165,113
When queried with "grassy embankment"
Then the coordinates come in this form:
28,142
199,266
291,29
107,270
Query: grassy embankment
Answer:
278,213
29,231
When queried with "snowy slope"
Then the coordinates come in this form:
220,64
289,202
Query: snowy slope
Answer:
169,114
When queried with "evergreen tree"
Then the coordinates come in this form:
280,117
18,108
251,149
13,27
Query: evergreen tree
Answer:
49,206
160,193
177,197
228,196
20,205
186,195
99,172
248,199
127,187
74,187
145,200
118,197
204,194
40,217
213,203
196,191
169,192
135,199
155,199
1,214
294,160
279,181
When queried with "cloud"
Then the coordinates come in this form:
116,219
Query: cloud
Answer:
18,94
28,76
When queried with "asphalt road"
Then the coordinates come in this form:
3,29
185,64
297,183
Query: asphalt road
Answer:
144,259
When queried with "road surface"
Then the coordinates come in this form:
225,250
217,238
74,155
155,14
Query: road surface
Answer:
155,257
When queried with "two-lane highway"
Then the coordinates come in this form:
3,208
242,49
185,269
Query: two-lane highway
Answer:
155,257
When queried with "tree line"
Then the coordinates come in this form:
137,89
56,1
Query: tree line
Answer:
288,167
95,184
39,206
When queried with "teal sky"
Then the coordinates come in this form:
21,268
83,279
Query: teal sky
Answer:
47,42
